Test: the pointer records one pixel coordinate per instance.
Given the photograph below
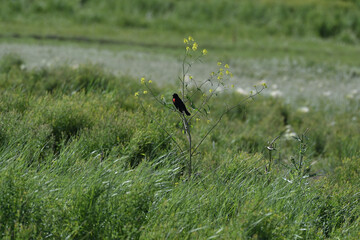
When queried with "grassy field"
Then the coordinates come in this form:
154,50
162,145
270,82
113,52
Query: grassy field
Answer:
82,157
326,19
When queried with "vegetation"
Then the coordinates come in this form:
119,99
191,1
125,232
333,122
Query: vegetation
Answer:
80,158
84,153
233,19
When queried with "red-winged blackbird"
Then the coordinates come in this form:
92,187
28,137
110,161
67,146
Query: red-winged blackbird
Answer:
179,104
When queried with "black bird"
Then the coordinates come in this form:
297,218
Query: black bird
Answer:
179,104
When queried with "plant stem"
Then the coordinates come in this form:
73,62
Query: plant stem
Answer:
188,134
300,155
270,159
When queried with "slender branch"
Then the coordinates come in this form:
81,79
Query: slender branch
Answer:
225,112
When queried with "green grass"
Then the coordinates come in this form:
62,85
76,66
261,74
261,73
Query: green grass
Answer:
166,20
325,19
79,158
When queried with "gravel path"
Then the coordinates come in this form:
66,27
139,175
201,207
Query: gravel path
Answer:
291,79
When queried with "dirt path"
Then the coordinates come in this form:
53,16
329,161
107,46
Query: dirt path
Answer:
290,79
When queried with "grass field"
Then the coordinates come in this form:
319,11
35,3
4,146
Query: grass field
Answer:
81,158
326,19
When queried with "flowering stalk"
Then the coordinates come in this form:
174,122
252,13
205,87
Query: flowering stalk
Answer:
208,88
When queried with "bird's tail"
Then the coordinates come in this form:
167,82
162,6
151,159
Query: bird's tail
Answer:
187,112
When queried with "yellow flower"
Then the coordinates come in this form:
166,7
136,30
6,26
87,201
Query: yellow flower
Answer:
232,85
219,77
221,69
218,63
226,66
264,85
204,51
187,49
227,72
150,81
162,97
194,46
210,90
145,92
212,74
136,94
142,80
190,77
185,41
197,119
208,121
190,38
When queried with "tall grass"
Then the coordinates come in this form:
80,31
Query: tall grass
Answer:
82,160
325,19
